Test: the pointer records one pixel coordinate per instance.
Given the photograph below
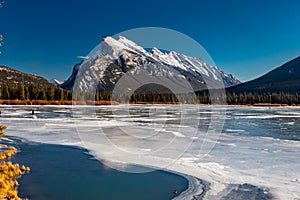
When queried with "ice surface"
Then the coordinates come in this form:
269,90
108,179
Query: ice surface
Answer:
251,149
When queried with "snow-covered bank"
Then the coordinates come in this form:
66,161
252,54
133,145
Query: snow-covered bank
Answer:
197,189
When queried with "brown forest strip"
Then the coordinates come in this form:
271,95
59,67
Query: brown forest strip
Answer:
54,102
103,102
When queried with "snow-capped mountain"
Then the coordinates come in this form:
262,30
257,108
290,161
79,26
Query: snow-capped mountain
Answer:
115,57
56,82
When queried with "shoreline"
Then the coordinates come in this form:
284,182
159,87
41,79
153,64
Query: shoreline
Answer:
190,188
198,188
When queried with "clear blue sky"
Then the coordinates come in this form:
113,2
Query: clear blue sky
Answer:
245,38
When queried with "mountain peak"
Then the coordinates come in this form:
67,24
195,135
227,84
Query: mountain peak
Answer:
122,54
156,51
114,48
131,45
111,47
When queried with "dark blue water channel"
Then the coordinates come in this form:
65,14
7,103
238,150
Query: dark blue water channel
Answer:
63,172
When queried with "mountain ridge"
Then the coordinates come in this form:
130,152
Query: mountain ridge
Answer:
122,55
285,78
10,76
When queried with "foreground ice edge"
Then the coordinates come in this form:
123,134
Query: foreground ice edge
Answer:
260,161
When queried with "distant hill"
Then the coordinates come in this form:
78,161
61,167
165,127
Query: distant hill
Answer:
285,78
9,76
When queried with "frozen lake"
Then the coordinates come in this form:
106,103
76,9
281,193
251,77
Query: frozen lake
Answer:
225,146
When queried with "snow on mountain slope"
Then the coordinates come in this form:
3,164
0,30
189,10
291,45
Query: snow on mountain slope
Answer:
115,57
193,65
56,82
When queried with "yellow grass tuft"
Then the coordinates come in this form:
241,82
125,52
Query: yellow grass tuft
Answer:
9,172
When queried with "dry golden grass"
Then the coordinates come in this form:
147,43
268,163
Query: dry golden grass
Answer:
9,173
55,102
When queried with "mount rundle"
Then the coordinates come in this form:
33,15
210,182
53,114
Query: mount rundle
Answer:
114,57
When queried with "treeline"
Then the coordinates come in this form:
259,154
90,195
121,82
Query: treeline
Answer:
255,98
251,98
159,98
222,98
33,92
202,98
134,98
52,93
